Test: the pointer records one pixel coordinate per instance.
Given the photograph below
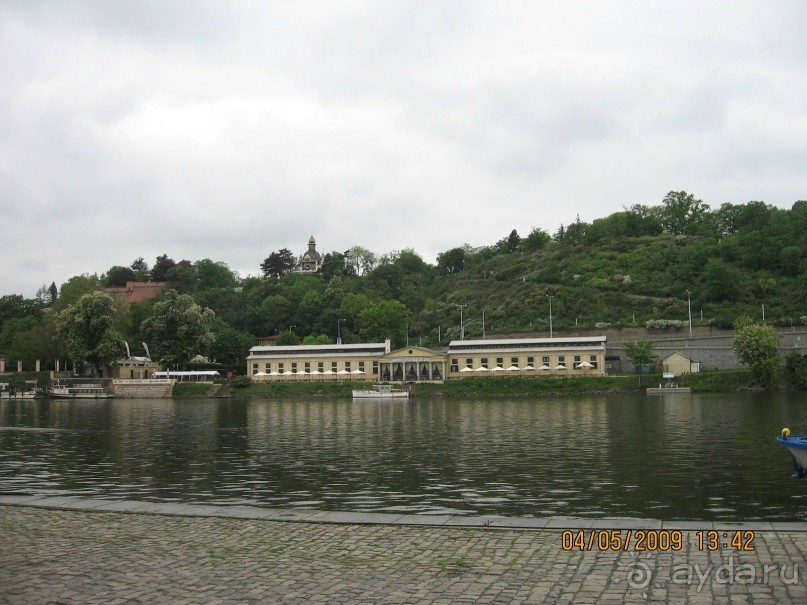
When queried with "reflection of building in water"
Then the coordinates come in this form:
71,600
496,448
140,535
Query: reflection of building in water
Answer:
311,260
500,358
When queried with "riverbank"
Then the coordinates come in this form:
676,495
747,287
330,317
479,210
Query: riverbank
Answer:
705,382
222,556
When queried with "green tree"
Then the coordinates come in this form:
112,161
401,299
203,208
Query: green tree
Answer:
87,327
536,240
640,354
178,329
161,266
756,347
117,277
278,263
361,260
722,280
212,274
74,288
140,268
230,347
182,277
386,319
796,366
451,261
682,214
287,338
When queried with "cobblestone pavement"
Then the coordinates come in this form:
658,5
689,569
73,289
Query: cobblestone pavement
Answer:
53,556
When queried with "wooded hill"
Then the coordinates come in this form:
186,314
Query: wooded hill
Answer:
636,266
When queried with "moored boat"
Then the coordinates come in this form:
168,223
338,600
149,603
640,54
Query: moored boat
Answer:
381,391
79,390
14,392
797,446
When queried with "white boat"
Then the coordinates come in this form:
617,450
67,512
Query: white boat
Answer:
381,391
797,446
79,391
8,393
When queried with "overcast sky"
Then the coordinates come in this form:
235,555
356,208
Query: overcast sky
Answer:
228,130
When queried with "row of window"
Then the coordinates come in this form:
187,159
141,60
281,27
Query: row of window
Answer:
306,367
530,361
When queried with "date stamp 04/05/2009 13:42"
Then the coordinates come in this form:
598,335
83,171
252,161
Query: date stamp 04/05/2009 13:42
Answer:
650,540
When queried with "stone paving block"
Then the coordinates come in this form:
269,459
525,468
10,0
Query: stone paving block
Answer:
19,499
742,525
570,523
124,506
358,518
292,514
423,519
241,512
687,525
85,504
626,523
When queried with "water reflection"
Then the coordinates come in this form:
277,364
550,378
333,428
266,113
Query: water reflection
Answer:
678,457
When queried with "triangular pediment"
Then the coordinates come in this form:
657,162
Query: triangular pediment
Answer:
419,353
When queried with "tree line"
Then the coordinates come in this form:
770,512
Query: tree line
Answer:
647,265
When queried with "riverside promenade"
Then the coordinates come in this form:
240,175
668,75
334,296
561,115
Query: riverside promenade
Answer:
66,551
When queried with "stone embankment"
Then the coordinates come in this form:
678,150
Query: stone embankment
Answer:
143,388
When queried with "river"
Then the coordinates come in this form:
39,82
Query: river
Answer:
700,457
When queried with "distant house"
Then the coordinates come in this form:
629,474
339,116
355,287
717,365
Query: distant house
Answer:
138,292
678,364
311,260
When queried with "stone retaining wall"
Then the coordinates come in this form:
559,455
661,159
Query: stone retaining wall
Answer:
712,352
143,388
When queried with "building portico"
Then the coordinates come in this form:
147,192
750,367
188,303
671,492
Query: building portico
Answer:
412,364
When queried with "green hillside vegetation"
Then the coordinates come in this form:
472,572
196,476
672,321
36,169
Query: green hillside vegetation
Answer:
636,267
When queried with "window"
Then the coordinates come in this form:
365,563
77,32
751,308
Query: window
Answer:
333,366
361,366
347,366
469,363
455,367
530,361
484,362
562,359
545,360
321,366
254,368
500,362
293,367
593,361
267,367
307,367
280,367
514,361
375,368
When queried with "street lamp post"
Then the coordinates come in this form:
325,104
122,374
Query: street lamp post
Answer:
550,315
339,331
689,304
462,324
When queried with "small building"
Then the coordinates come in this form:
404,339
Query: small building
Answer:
311,260
678,364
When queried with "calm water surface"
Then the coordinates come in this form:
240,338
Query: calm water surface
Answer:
707,457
